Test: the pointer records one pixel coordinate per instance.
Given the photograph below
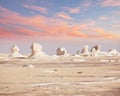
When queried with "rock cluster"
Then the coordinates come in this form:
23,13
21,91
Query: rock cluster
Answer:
37,53
96,51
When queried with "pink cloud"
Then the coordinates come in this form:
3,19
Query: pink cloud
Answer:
7,12
91,23
103,18
73,10
6,33
20,34
39,26
78,34
110,3
86,4
36,8
64,16
105,34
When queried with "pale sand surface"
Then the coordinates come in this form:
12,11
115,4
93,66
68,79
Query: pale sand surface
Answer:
59,78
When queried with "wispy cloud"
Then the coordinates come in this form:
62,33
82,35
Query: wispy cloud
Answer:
38,26
86,4
4,11
105,34
4,32
64,16
103,18
36,8
92,33
110,3
91,23
72,10
80,7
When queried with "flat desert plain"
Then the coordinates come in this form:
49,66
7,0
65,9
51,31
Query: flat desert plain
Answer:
59,77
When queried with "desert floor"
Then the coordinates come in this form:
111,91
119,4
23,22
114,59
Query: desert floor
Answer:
62,78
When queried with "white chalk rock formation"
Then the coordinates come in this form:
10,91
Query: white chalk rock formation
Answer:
15,52
96,51
77,54
85,51
37,52
93,52
61,52
114,52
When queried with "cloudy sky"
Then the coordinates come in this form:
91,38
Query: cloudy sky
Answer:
70,24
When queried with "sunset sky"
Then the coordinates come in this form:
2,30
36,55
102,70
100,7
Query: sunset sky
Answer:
70,24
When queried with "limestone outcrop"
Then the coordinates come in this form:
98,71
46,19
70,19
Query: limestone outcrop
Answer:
114,52
15,52
37,52
61,52
85,51
96,51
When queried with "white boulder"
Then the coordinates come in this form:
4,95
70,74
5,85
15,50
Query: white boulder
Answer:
61,52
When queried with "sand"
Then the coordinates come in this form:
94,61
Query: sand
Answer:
59,78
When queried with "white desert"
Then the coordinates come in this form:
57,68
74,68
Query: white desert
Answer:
86,73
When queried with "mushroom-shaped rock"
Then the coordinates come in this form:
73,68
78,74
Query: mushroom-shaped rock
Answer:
85,51
15,52
96,51
37,53
61,51
97,47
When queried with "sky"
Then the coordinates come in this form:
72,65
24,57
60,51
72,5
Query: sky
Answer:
69,24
